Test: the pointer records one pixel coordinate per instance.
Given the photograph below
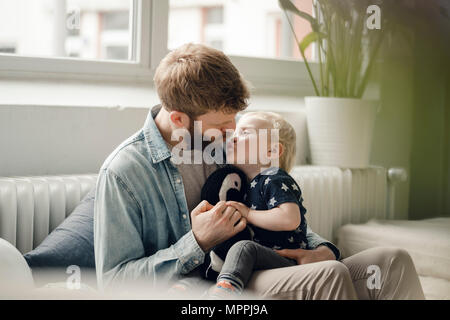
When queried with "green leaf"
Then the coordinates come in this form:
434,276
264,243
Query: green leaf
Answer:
310,38
287,5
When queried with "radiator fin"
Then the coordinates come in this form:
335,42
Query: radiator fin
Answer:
334,197
31,207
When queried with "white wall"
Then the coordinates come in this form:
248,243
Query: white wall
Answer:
43,140
40,140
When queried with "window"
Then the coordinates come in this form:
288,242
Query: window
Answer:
214,15
124,40
252,28
116,20
67,28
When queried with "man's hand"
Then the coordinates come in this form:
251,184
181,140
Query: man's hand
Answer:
303,256
212,225
242,208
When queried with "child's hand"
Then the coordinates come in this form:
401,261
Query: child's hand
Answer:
303,256
242,208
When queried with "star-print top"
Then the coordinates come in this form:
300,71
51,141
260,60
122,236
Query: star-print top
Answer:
268,190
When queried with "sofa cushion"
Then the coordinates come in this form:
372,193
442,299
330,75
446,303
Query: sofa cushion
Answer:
435,288
71,243
427,241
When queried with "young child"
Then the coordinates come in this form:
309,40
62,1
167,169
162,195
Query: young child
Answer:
273,205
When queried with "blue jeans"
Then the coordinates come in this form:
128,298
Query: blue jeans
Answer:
246,256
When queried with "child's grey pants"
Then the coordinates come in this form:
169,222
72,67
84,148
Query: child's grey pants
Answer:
246,256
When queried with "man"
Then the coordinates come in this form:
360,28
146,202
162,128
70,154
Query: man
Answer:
149,223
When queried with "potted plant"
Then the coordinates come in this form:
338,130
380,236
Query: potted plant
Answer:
340,122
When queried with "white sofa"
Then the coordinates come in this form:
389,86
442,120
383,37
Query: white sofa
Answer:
34,206
427,241
52,141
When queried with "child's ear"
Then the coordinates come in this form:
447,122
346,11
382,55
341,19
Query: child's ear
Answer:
276,151
280,150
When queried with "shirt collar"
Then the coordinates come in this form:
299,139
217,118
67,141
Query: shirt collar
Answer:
157,145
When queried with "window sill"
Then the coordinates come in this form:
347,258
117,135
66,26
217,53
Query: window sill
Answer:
114,95
75,93
276,85
266,76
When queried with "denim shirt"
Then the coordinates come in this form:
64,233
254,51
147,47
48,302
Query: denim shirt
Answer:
142,229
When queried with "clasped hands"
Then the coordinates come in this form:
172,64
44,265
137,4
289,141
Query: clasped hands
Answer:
212,225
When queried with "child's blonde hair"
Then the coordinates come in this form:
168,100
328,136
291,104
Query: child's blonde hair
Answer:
287,136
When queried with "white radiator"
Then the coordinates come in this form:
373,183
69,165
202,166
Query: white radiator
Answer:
31,207
334,197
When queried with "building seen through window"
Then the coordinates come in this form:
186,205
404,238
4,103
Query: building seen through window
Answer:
85,29
253,28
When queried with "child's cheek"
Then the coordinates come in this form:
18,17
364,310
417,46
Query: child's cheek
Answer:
252,151
242,150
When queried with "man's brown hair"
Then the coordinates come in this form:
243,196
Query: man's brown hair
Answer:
196,79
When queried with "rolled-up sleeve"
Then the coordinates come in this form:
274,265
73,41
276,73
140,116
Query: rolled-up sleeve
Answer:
119,249
314,241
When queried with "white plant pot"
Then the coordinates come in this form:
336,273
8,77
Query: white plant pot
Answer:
340,130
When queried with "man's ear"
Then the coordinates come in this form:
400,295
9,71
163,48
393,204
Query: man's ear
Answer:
179,119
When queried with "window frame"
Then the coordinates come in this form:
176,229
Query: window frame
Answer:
150,39
146,15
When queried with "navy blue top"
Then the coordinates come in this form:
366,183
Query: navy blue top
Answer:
268,190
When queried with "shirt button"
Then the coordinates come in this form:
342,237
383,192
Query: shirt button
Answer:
178,181
184,216
196,261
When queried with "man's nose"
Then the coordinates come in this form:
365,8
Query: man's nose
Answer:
228,134
231,125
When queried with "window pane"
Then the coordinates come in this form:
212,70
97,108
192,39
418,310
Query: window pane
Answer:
116,20
214,15
83,29
255,28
